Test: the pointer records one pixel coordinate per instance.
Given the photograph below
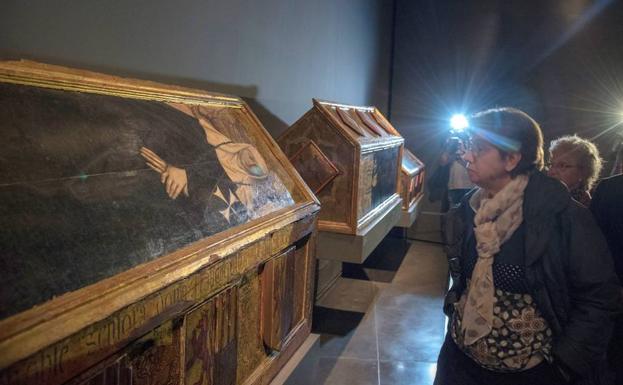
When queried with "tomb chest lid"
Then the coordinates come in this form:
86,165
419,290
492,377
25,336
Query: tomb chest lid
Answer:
411,164
363,126
113,187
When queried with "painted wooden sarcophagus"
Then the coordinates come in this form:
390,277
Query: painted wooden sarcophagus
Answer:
351,161
412,174
149,234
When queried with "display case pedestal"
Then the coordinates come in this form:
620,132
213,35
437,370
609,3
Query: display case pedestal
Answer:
356,248
408,217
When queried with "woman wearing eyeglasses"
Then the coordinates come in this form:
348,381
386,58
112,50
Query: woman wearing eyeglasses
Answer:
534,291
576,163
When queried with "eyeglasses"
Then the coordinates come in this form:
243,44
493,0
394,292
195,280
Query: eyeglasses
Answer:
561,166
476,147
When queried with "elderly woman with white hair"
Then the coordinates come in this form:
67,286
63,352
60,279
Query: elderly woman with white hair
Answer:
576,163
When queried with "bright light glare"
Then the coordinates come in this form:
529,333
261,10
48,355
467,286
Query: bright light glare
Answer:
459,122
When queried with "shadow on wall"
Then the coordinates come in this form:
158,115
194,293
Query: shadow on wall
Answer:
273,124
247,91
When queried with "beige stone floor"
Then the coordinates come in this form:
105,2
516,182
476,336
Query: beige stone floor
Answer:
382,322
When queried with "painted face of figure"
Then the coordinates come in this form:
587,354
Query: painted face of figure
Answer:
486,166
564,167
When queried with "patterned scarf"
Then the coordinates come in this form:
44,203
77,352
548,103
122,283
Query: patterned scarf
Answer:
496,220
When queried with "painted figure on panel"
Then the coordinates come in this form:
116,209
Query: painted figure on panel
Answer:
242,163
79,198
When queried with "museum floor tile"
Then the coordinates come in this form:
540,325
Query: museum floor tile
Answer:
381,323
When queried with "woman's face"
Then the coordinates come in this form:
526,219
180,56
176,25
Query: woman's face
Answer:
486,166
564,167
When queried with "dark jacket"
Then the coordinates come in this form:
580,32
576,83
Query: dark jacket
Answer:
607,206
568,270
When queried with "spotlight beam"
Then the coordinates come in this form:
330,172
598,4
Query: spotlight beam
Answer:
459,122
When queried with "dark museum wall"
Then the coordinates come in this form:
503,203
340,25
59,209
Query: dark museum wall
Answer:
560,61
277,54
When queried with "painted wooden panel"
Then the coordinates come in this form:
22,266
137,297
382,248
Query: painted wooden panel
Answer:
211,341
277,299
139,278
314,166
315,127
377,179
93,185
155,358
114,374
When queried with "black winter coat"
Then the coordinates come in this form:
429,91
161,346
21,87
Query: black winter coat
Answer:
568,269
607,207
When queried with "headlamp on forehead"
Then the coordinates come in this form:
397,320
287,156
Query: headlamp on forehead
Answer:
500,141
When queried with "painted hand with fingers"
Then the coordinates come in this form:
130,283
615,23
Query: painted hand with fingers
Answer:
174,178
